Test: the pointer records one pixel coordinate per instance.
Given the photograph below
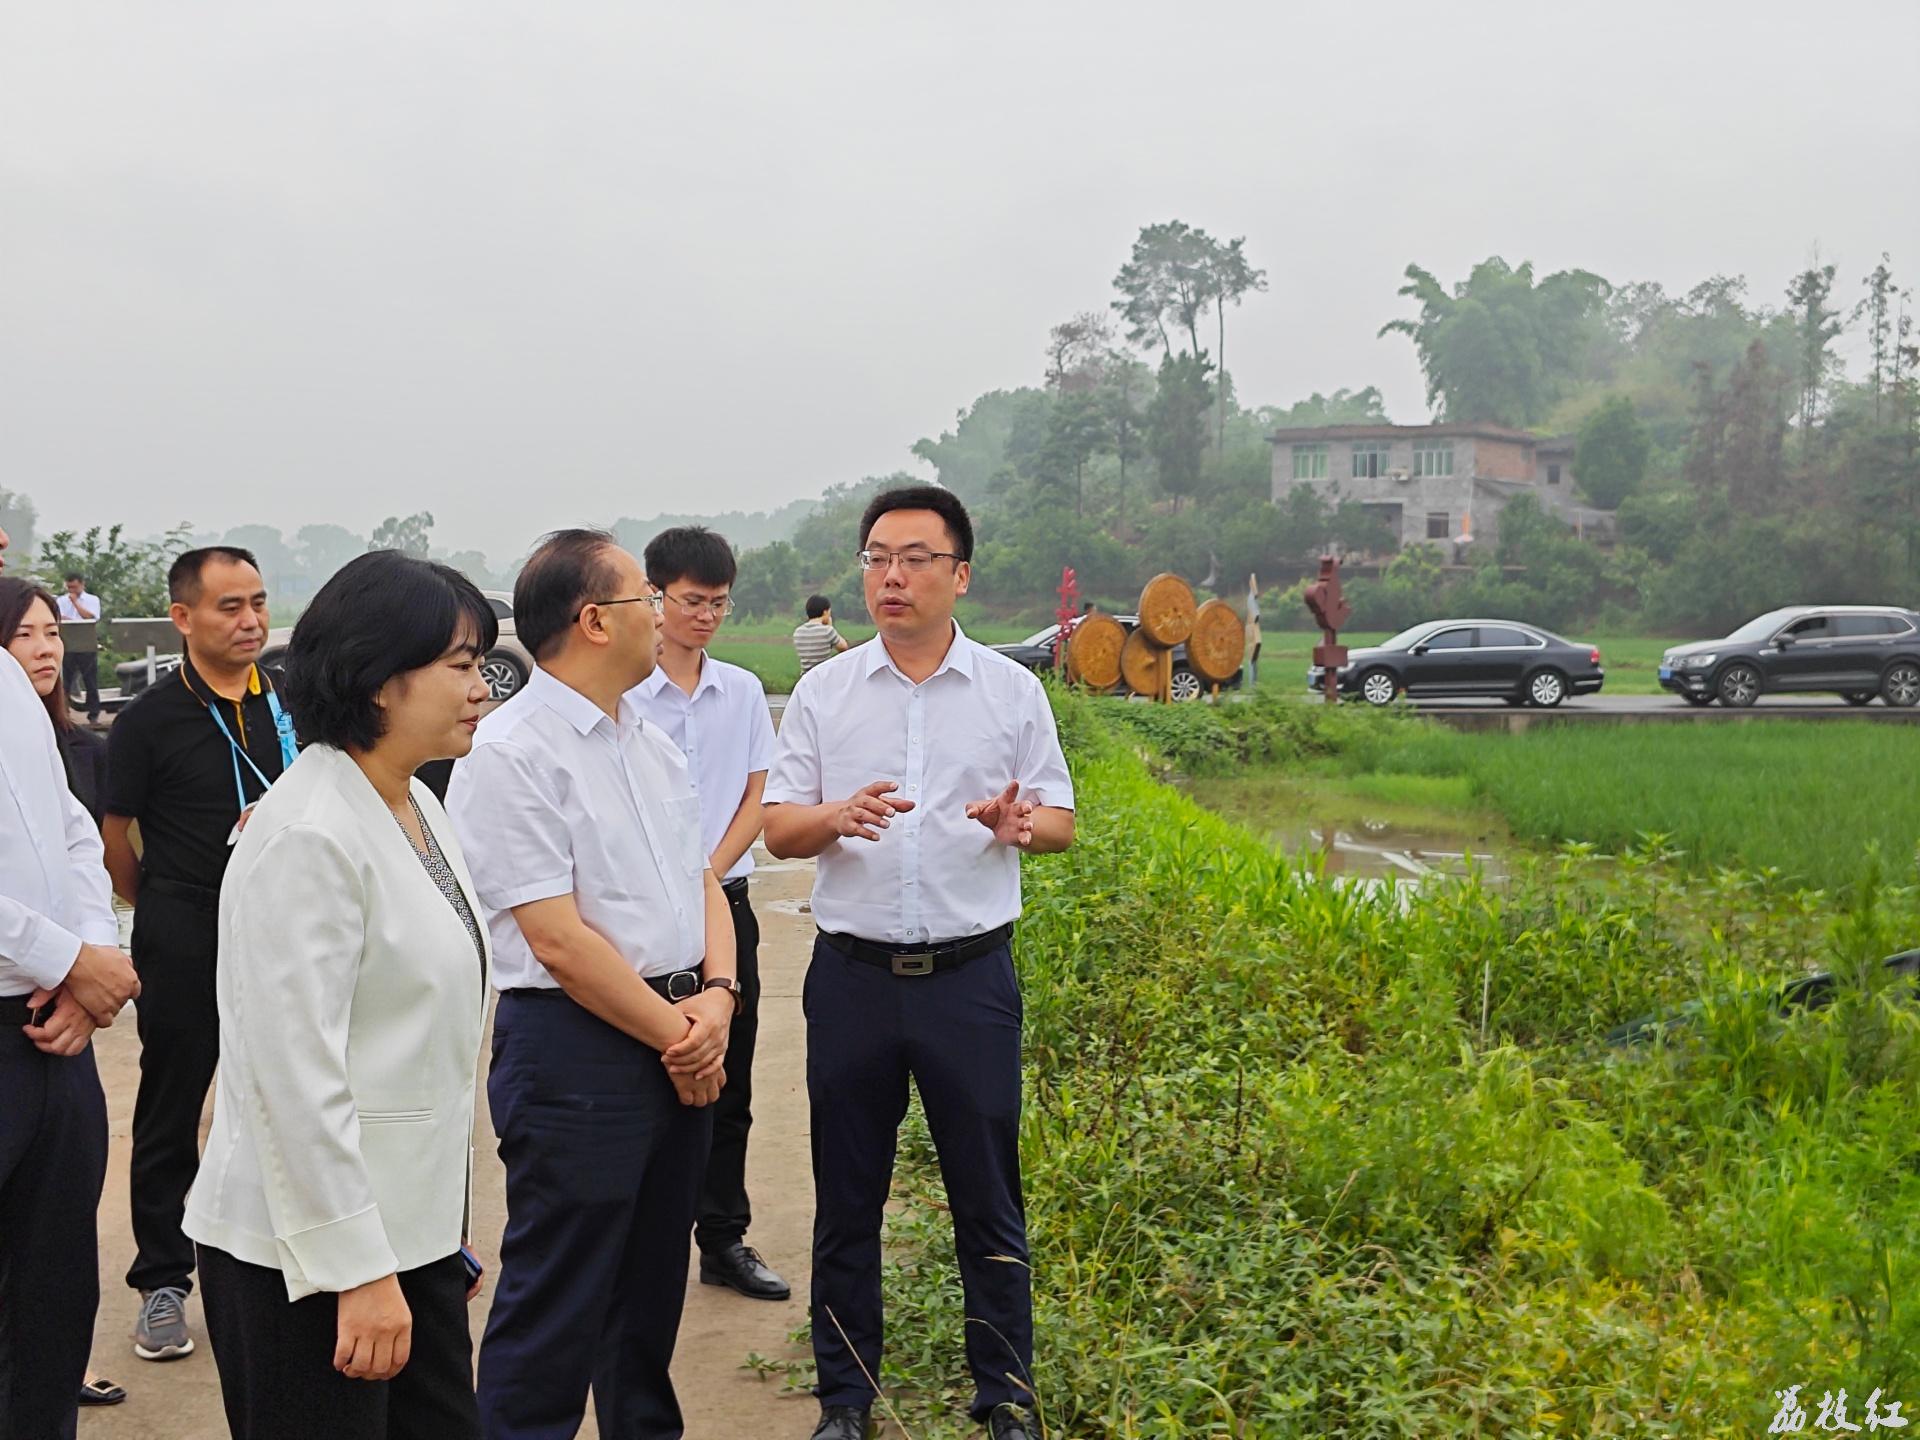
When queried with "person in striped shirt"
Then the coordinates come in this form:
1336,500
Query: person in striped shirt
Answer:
817,640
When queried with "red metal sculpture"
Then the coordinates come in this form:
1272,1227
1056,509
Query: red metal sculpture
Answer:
1330,612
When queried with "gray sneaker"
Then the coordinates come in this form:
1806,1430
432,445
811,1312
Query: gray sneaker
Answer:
161,1331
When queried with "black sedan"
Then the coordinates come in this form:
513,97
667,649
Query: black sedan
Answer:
1854,651
1491,659
1036,653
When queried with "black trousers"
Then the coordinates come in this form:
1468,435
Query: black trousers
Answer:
956,1033
604,1167
81,677
53,1162
275,1358
174,939
725,1212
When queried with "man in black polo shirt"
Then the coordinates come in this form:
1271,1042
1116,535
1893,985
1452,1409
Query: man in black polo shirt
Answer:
185,760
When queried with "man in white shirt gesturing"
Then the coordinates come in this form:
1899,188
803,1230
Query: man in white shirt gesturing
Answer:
613,954
917,768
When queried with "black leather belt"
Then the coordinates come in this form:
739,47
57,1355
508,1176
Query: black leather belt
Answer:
680,985
918,959
15,1012
735,889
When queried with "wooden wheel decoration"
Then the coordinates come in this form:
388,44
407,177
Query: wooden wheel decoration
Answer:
1140,664
1167,610
1093,651
1218,642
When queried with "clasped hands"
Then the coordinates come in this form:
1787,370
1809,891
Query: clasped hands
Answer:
696,1063
871,809
101,981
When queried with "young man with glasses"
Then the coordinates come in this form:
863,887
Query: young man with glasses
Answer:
613,954
917,769
717,714
185,760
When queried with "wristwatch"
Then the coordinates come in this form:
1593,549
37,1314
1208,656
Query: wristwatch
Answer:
732,987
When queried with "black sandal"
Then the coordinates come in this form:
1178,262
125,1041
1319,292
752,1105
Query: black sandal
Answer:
101,1392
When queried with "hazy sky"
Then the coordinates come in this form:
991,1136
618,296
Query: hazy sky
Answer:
530,265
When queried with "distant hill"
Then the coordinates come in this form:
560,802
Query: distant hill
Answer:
743,530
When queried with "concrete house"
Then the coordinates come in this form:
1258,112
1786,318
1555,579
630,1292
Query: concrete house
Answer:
1432,484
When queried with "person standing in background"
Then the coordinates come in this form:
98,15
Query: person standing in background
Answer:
30,629
186,758
816,639
62,976
717,714
1253,633
82,668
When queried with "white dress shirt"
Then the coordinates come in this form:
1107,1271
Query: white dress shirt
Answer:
959,736
54,891
70,611
726,733
555,799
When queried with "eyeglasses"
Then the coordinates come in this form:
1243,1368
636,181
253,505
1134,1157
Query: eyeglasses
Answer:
913,561
657,600
719,609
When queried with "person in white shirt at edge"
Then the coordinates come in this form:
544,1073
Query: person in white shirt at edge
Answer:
613,955
80,672
717,714
62,975
917,768
331,1208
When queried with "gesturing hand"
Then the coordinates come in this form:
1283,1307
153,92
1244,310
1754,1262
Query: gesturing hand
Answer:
1006,815
66,1029
869,811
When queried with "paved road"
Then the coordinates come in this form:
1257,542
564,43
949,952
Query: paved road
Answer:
1672,706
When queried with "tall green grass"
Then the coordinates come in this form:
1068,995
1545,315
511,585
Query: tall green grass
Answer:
1303,1160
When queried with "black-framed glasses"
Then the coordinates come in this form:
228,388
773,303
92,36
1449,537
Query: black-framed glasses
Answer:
657,600
915,562
719,609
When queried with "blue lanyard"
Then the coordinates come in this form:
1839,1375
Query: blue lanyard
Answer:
283,727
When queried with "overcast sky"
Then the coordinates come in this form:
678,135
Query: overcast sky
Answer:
532,265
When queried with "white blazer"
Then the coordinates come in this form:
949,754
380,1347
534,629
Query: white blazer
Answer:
351,1007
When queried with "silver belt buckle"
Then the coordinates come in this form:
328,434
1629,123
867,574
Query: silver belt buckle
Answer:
920,963
682,985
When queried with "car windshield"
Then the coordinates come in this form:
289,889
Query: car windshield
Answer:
1041,637
1762,627
1404,640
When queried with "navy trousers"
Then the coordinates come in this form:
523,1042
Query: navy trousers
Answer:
725,1211
53,1163
604,1167
956,1033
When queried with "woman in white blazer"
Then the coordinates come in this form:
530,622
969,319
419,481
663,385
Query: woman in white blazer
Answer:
332,1204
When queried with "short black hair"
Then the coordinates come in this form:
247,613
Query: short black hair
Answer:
817,605
568,569
73,575
943,503
183,576
382,614
689,552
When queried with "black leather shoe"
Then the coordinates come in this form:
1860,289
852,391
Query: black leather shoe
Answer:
841,1422
739,1267
1010,1422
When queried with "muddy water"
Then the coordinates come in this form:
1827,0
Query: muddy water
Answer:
1355,840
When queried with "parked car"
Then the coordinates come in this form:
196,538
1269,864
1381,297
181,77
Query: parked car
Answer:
1497,659
1036,653
506,666
1853,651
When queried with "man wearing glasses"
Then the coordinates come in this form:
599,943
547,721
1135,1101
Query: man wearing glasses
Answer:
613,955
917,768
717,714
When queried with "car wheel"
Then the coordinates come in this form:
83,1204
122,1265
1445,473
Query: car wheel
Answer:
1187,685
1901,686
504,675
1378,687
1693,699
1739,686
1857,697
1546,688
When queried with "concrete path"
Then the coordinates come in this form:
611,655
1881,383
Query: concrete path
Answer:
724,1400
